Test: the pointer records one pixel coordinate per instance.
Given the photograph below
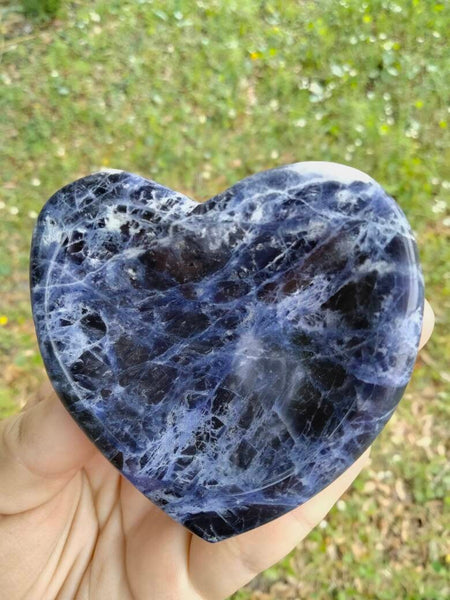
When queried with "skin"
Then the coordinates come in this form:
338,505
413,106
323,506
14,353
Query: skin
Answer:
71,527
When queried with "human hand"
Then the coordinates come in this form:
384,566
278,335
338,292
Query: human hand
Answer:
71,527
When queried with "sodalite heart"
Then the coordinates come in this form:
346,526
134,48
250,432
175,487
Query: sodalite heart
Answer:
231,358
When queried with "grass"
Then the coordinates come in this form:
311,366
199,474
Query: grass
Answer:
199,94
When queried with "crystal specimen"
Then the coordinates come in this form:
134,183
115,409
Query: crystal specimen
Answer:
231,358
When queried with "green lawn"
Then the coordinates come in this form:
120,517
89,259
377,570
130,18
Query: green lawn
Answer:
197,94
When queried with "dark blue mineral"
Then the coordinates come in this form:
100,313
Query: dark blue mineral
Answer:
231,358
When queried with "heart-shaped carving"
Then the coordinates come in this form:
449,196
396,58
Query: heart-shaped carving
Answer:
231,358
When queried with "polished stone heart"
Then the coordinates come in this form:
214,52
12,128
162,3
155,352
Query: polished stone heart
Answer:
231,358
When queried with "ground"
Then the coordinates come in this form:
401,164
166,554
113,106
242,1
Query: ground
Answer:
197,94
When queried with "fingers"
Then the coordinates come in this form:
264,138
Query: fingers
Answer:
40,450
428,324
217,570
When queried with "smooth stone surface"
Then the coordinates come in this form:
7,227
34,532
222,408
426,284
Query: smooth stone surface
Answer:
231,358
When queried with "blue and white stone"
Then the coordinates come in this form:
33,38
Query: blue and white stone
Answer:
231,358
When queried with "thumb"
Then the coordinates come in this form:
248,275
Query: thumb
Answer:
41,449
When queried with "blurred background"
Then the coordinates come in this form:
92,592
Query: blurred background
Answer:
198,94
